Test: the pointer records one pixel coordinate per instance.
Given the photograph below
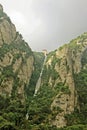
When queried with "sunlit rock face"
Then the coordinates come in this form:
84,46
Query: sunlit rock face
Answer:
16,59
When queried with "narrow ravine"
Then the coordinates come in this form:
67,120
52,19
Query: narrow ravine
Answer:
39,79
38,83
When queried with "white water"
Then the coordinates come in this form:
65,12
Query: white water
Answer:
37,84
39,80
27,116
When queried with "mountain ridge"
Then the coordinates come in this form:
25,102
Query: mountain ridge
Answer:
61,101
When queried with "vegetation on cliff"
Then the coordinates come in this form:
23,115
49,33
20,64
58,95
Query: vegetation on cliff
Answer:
62,98
38,63
16,66
44,107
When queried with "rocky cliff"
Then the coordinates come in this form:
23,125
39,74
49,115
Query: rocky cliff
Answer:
16,59
61,99
61,66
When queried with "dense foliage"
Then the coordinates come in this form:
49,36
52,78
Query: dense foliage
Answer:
12,112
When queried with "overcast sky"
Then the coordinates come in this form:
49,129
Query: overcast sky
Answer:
47,24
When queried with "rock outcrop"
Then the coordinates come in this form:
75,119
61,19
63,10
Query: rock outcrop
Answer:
65,62
16,60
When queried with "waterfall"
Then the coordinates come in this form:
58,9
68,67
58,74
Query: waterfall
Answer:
38,84
39,79
27,116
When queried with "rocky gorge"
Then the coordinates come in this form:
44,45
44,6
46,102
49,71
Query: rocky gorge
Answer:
60,102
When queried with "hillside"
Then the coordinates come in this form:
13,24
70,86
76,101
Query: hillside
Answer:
16,67
61,100
62,95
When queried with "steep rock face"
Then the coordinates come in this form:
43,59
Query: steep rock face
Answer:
7,31
16,59
65,62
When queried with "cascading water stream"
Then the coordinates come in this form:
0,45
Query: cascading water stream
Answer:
38,84
39,80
